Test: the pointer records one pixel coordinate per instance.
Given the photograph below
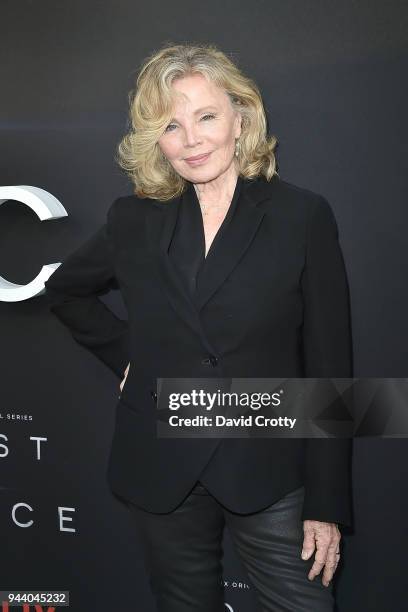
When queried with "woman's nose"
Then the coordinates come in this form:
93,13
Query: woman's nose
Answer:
191,137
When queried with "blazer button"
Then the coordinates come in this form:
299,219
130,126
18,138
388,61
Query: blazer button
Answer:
154,395
210,360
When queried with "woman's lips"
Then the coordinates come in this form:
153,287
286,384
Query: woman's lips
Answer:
195,161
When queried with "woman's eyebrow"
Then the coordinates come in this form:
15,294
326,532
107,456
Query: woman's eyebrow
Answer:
199,110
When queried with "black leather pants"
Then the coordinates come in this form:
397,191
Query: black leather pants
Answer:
183,552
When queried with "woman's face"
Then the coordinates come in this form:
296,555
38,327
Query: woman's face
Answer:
204,121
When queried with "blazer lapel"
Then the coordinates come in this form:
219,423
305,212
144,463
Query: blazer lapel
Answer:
160,225
220,261
225,254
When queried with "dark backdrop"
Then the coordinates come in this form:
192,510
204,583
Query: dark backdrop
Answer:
333,77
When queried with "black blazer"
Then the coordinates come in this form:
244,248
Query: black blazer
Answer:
276,304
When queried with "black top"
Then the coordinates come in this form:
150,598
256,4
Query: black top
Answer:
187,247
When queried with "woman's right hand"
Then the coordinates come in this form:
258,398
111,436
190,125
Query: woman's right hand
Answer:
124,380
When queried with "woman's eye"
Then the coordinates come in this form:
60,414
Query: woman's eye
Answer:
167,128
212,116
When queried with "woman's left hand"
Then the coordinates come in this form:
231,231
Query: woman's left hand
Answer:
325,537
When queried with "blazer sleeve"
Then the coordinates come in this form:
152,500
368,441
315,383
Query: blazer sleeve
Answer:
327,346
72,292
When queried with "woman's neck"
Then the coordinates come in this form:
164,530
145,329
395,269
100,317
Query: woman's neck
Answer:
219,191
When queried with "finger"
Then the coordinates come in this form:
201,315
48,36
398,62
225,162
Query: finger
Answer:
320,558
308,544
316,568
325,581
328,571
330,567
333,549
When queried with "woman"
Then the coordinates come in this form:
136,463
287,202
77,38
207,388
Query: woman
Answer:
226,271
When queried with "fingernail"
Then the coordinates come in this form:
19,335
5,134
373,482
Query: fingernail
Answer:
304,554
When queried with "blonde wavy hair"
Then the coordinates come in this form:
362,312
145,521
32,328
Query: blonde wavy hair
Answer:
151,104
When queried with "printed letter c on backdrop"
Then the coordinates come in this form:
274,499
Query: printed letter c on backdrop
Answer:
45,206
